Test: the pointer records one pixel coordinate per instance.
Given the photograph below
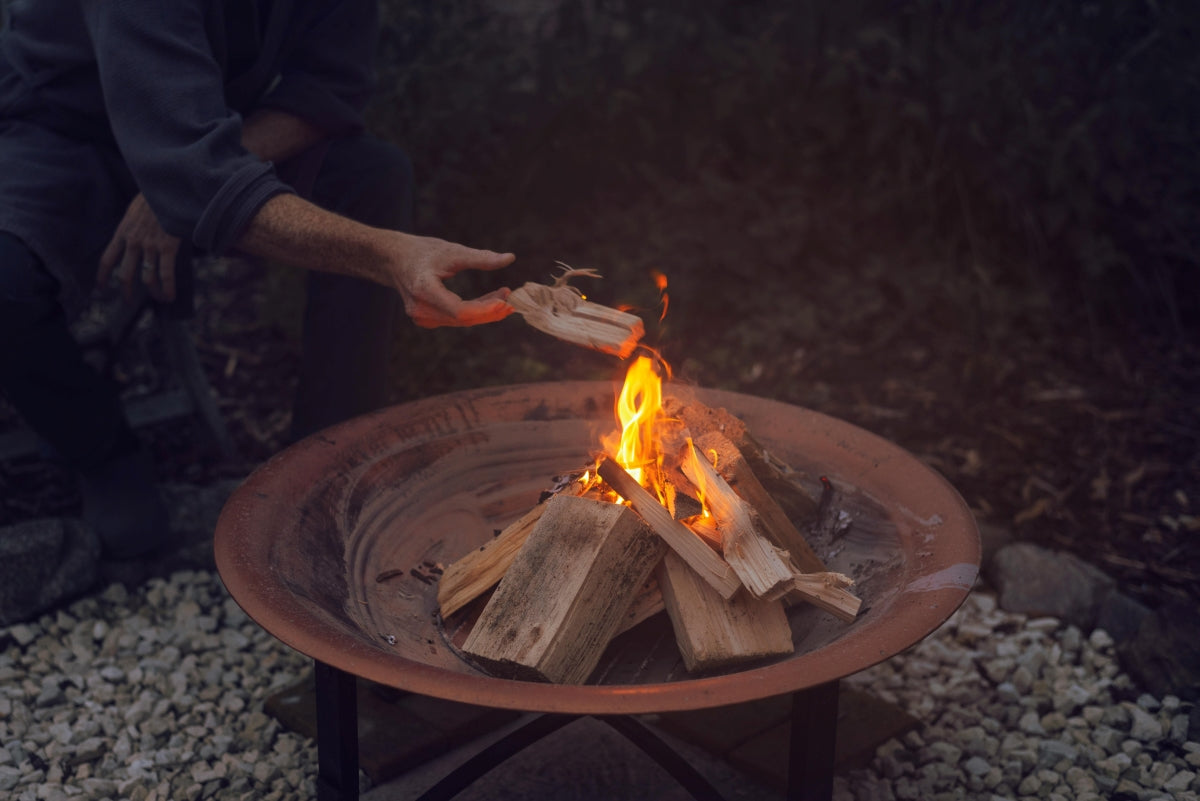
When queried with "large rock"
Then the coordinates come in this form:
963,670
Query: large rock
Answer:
44,563
1164,656
1121,616
1036,581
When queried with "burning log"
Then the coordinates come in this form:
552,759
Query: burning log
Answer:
706,562
809,580
573,572
763,569
700,419
480,570
714,632
734,468
561,311
567,592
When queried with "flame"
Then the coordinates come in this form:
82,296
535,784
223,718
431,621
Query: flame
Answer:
698,474
639,409
660,281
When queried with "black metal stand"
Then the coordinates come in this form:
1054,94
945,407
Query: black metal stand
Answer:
337,734
810,773
812,743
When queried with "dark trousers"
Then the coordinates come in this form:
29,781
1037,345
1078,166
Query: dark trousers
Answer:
347,324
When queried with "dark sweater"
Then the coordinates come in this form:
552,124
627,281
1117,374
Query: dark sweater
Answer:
151,94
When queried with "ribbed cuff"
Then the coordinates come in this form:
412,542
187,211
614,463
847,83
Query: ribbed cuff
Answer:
235,205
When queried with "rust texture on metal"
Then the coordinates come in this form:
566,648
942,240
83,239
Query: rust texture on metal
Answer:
302,543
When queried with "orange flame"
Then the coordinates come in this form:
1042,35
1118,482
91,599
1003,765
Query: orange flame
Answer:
639,407
660,281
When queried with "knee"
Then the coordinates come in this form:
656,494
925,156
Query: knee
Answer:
368,180
28,294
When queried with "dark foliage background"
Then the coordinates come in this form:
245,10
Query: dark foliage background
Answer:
973,228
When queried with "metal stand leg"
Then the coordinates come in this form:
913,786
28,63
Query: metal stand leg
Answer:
670,760
337,734
495,754
814,736
533,731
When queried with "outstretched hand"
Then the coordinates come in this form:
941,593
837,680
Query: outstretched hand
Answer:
427,263
141,250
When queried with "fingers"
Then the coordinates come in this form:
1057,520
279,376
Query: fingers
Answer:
128,271
109,259
437,306
468,313
487,260
496,261
426,298
166,273
140,251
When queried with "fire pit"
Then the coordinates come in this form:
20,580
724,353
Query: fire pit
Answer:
333,547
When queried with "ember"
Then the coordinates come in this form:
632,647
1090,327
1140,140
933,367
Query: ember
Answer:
567,573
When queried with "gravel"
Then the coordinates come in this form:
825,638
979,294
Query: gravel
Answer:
148,696
157,694
1021,708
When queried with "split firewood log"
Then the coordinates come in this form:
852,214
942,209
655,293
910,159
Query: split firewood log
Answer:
561,311
480,570
567,593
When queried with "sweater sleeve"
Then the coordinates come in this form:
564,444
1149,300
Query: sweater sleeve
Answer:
164,94
329,75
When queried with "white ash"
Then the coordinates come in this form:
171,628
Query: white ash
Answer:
158,694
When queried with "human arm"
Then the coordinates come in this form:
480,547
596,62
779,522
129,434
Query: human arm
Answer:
294,231
141,250
290,229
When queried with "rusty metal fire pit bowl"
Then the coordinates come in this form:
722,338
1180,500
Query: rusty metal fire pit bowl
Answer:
301,544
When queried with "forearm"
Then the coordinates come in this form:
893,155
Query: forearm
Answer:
277,136
290,230
293,231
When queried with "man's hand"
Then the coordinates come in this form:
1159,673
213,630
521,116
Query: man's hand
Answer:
419,274
293,231
141,250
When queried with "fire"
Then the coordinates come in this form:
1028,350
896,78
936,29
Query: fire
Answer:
660,281
639,411
638,448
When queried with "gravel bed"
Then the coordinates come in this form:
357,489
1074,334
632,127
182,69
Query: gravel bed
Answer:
1020,708
157,694
149,696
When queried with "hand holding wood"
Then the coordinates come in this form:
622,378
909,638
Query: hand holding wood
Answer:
561,311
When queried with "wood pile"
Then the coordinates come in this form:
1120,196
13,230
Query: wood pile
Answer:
711,544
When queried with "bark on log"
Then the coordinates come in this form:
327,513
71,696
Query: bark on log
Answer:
567,592
734,468
693,550
714,632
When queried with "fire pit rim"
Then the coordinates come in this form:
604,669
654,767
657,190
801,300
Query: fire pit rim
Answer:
928,600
